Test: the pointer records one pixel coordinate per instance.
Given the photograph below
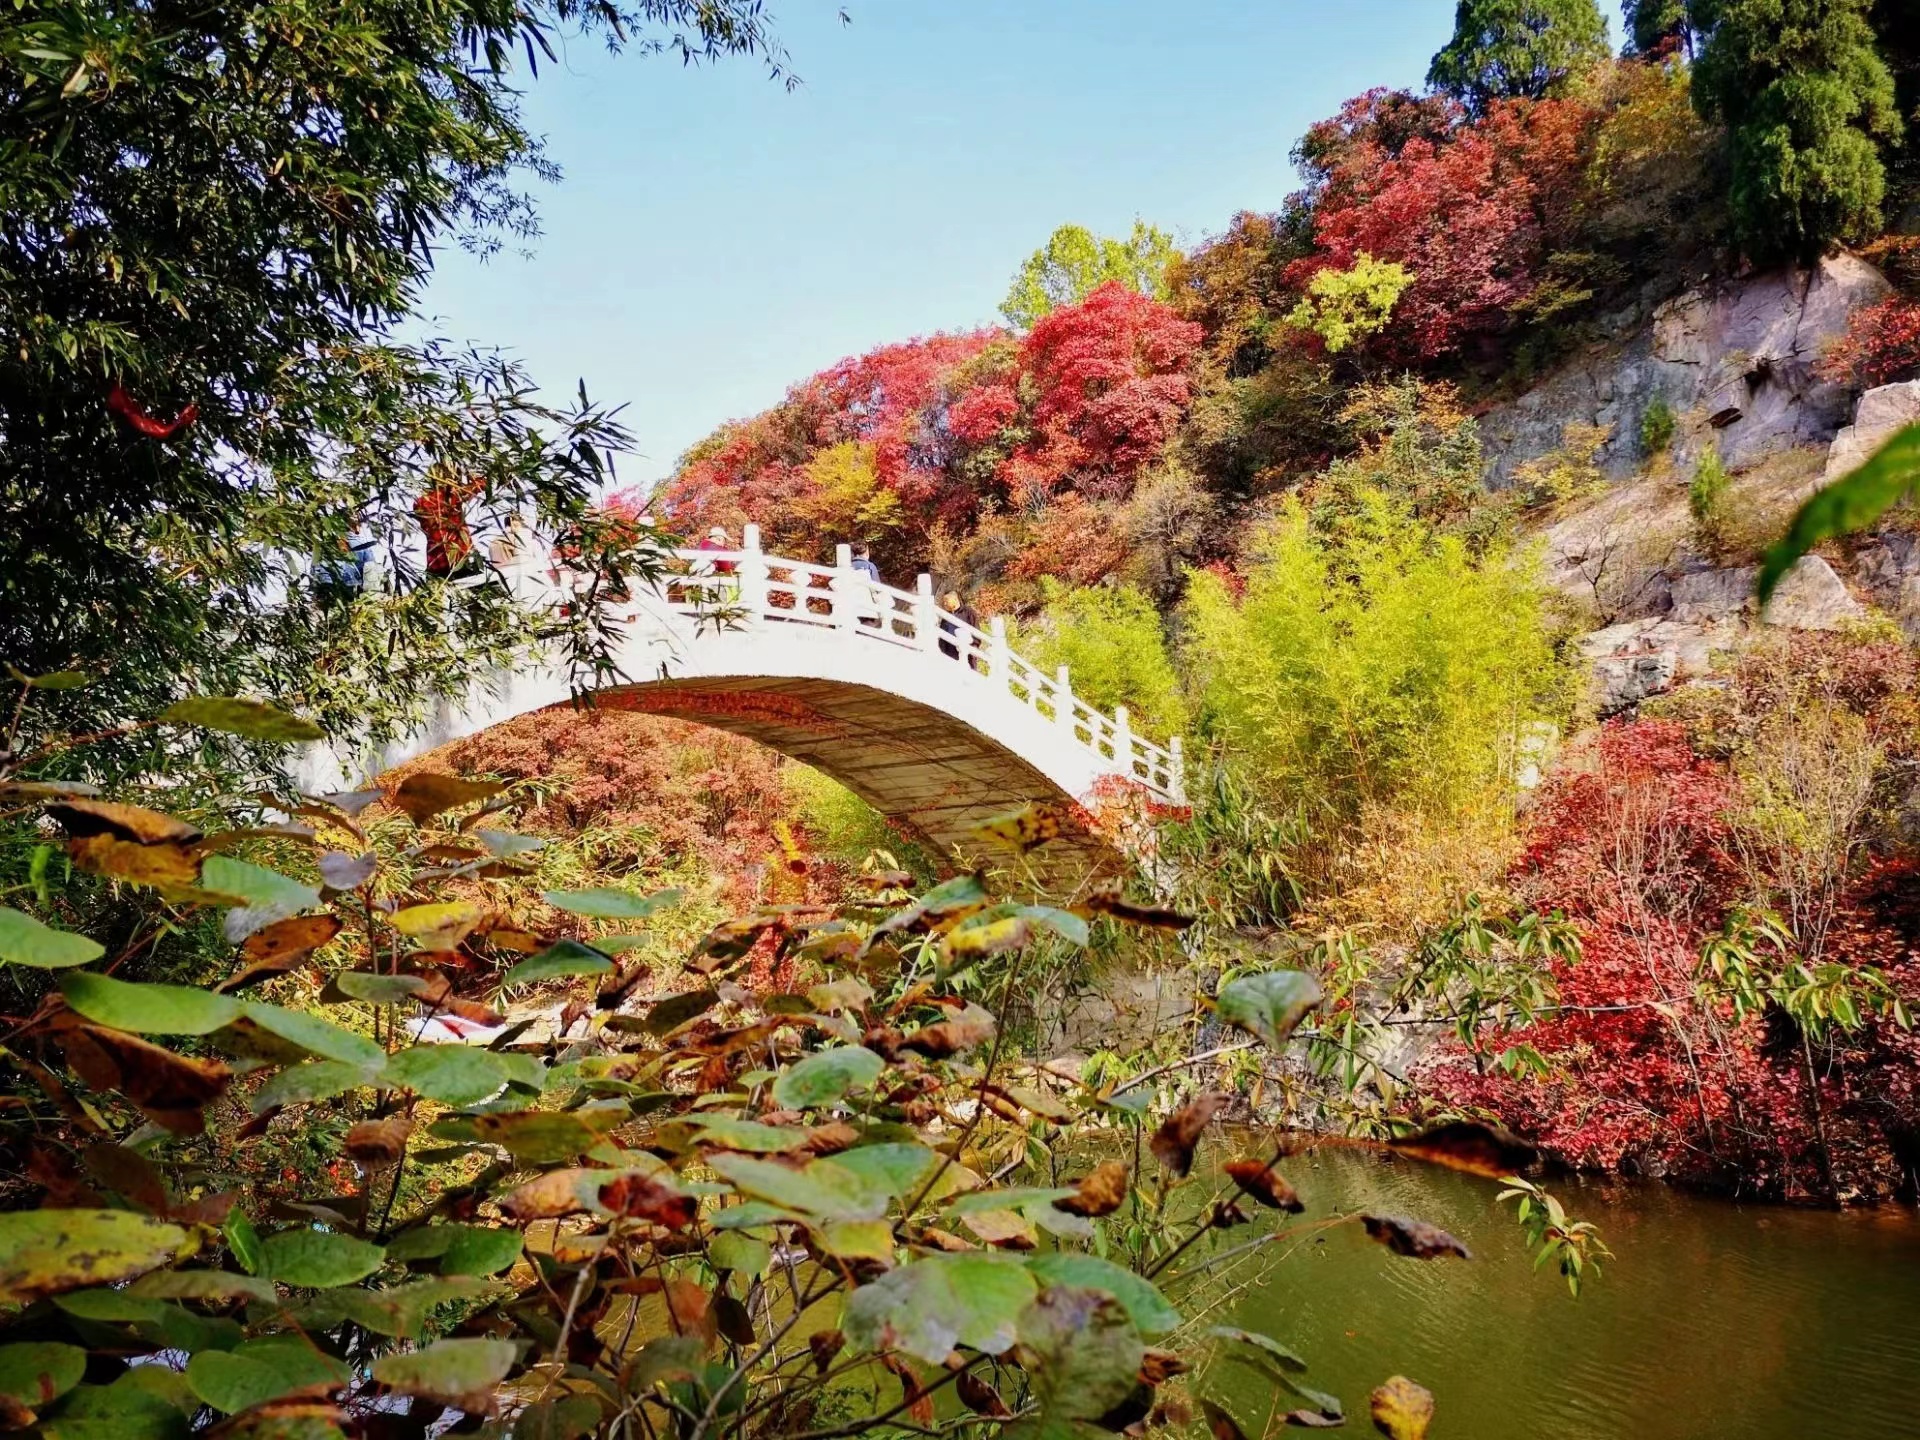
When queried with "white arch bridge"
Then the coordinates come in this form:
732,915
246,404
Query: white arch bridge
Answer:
936,723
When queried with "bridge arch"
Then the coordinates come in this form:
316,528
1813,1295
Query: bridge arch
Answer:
934,722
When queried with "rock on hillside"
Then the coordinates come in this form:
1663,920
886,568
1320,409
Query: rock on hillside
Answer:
1737,359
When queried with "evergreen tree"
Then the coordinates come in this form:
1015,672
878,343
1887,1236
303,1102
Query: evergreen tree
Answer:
1652,23
1505,49
1805,96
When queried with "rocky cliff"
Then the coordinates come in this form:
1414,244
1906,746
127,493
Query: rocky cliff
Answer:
1735,363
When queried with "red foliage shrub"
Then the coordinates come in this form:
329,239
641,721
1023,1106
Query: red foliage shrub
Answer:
1881,346
1110,376
1472,208
1629,841
1091,394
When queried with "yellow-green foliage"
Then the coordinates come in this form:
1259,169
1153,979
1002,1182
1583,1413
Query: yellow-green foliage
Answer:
1344,306
1110,639
842,824
1386,668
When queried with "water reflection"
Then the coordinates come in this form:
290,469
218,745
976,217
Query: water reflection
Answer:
1714,1320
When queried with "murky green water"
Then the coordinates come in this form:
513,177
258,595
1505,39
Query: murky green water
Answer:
1715,1320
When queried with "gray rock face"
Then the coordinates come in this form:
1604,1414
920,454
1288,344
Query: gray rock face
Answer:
1811,597
1881,411
1620,681
1735,363
1706,596
1888,568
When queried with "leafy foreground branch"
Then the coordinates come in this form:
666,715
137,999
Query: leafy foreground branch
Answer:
787,1201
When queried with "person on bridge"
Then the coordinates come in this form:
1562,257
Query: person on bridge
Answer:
868,606
964,614
728,591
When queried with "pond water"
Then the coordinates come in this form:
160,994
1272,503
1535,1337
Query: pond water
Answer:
1714,1320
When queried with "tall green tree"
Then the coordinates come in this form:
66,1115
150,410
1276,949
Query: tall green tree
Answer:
1075,262
1807,101
214,222
1509,49
1653,23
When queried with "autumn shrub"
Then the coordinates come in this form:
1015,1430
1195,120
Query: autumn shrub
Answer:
1696,1036
1112,641
1881,345
1372,670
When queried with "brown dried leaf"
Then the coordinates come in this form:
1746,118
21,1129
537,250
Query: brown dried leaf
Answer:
83,819
374,1143
425,794
1414,1238
1467,1145
919,1401
1401,1409
1173,1143
1265,1184
980,1397
829,1139
1100,1192
1223,1425
945,1038
635,1194
169,1088
1158,1366
281,946
825,1344
937,1239
1106,899
167,865
130,1175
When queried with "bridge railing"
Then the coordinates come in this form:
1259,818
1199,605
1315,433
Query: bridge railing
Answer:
747,587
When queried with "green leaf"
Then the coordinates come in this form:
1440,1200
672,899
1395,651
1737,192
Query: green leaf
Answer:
890,1171
451,1074
481,1250
45,1252
820,1188
38,1372
453,1372
730,1250
611,904
973,1202
946,903
564,957
1270,1005
825,1076
147,1009
1082,1350
25,941
254,719
317,1036
201,1285
401,1311
1852,503
315,1080
54,680
749,1135
259,1372
928,1306
377,989
676,1010
264,895
1142,1300
1266,1344
320,1259
548,1137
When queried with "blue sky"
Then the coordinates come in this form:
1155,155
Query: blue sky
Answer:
716,237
